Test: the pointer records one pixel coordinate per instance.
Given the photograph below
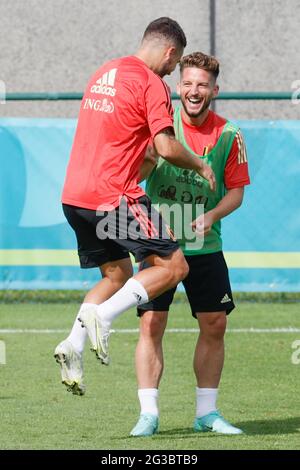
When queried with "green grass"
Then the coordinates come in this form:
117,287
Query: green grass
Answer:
259,390
67,296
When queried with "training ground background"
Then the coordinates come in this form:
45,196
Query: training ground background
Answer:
259,390
54,45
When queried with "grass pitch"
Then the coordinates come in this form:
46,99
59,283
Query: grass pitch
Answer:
259,390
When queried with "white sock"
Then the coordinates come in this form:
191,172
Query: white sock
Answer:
78,335
206,399
130,295
148,400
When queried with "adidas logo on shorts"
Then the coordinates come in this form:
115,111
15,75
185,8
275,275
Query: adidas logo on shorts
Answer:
225,299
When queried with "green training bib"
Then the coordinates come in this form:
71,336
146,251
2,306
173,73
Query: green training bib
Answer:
181,195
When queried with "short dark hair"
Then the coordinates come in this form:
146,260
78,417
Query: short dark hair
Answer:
201,61
167,28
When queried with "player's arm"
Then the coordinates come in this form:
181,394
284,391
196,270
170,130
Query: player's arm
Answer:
171,150
236,176
149,163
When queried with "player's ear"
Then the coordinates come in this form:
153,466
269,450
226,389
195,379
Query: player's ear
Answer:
178,88
170,52
216,90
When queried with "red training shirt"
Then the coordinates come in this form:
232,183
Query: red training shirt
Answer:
201,139
124,105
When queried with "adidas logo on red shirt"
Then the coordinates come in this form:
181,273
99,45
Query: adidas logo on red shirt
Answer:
105,84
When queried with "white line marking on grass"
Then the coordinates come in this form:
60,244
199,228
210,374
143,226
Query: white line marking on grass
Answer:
288,329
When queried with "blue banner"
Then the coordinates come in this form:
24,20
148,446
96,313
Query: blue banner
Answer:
38,248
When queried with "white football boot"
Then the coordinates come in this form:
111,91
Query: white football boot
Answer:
71,367
98,334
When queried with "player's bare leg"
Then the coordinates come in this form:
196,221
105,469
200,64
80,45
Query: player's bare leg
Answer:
149,364
69,352
208,365
209,352
114,275
149,360
163,274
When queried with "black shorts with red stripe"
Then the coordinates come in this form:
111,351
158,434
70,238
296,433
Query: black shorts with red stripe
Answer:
134,226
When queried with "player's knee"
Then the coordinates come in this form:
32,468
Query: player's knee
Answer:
152,325
118,283
184,270
180,270
216,326
119,279
125,277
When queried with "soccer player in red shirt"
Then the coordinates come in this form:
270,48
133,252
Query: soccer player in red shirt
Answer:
125,104
218,142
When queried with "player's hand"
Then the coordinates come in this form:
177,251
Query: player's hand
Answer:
202,225
208,173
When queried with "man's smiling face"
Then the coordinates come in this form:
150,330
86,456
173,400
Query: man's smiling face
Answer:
197,88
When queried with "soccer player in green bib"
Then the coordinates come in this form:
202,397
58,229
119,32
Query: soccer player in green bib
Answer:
220,144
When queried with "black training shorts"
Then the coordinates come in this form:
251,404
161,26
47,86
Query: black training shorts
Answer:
207,286
135,227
